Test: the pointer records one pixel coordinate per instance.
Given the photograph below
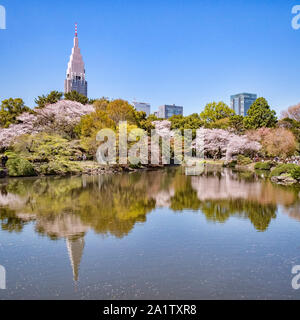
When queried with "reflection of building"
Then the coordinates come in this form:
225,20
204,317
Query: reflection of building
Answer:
75,249
75,80
241,103
142,106
70,227
167,111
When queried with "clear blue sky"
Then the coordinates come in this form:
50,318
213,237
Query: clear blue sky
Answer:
185,52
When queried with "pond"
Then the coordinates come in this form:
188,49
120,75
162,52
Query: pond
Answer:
149,235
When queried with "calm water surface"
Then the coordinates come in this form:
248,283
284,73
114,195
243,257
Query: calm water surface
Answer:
149,235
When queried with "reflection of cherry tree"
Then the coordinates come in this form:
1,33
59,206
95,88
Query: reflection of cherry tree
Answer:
214,188
113,205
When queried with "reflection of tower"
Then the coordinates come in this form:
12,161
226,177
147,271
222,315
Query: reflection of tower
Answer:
75,249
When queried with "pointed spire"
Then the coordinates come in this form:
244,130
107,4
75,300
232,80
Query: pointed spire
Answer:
75,79
75,249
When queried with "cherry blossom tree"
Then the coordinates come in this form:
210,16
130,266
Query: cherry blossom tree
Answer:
60,118
217,143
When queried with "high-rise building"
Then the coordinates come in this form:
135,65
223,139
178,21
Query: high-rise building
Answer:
241,102
142,106
167,111
75,80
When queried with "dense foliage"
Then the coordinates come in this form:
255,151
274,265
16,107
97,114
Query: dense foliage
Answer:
276,142
286,168
19,167
51,98
216,111
75,96
260,115
58,132
243,161
263,165
10,110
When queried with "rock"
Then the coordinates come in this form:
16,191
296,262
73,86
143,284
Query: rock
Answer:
284,179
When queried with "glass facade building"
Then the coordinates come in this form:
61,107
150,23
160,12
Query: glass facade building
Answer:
75,80
241,102
142,106
167,111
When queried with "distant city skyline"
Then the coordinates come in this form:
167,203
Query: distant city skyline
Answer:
218,49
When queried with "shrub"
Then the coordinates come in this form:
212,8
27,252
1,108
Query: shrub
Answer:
243,161
263,166
43,147
18,167
283,169
232,164
135,166
61,167
278,142
295,173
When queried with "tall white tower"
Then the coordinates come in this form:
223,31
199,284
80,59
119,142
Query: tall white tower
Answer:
75,80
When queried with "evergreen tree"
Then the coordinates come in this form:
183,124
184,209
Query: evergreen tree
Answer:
52,97
75,96
260,115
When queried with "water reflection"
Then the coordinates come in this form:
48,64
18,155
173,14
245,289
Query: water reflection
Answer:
111,205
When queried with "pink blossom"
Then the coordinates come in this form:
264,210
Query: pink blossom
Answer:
216,142
59,117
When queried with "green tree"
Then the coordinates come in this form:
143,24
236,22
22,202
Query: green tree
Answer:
89,127
219,124
52,97
237,122
142,121
94,122
216,111
192,121
121,110
75,96
10,110
260,115
101,104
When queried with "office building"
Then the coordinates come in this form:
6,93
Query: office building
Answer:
241,103
142,106
167,111
75,80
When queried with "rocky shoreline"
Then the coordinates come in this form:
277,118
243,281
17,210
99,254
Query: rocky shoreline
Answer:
92,168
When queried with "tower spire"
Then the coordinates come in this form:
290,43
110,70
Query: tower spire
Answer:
75,80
